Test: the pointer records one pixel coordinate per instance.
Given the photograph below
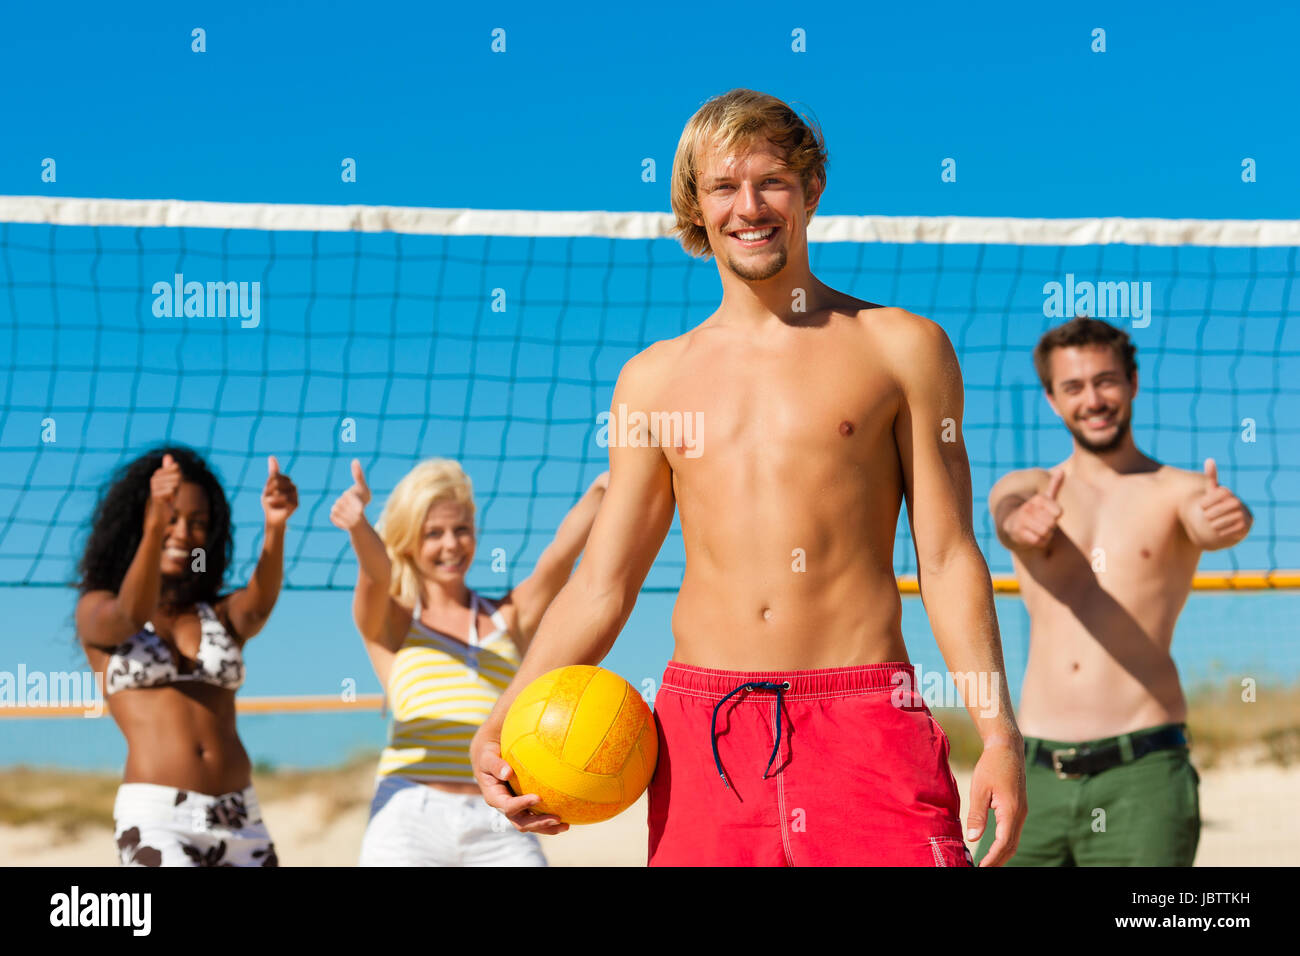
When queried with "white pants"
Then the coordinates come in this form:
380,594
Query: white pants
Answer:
163,826
414,825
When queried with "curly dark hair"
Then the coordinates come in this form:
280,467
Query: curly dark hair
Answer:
117,525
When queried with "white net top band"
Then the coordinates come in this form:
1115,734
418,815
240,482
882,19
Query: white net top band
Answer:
975,230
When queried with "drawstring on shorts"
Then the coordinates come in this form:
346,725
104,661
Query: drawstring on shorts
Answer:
780,688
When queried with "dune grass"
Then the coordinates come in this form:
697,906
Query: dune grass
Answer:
1227,717
70,800
341,788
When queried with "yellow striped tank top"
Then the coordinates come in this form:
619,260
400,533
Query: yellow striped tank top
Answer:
441,690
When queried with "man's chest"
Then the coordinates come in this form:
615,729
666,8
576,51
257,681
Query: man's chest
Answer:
798,403
1124,526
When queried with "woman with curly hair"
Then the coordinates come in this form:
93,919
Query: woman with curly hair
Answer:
153,621
443,654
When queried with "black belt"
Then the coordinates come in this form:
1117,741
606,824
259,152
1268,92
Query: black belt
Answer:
1071,762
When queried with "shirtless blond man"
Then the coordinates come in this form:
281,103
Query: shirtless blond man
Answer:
1105,546
790,732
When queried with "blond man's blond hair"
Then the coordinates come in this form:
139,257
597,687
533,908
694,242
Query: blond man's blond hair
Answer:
401,524
732,121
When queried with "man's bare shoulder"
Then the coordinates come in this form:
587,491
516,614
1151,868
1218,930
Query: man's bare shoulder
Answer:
1022,481
1179,482
658,354
893,319
898,332
649,366
914,351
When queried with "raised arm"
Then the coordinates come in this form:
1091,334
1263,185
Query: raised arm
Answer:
105,619
953,576
532,596
585,618
371,602
250,606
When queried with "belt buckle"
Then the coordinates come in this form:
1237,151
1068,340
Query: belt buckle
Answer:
1057,755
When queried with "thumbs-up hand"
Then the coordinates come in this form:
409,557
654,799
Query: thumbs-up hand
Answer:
1228,518
349,511
279,496
1033,524
164,483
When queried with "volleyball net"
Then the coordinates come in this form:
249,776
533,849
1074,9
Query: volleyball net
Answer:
325,333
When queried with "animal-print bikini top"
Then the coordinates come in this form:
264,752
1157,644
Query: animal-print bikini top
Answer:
144,660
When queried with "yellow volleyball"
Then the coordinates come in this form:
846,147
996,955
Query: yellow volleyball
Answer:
583,740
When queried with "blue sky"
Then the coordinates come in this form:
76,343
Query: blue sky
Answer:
1039,126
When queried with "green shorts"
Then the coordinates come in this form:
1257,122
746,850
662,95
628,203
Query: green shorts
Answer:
1142,813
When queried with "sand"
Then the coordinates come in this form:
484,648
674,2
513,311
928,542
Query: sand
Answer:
1247,811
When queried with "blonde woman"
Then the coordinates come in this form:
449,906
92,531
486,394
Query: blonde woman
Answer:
443,655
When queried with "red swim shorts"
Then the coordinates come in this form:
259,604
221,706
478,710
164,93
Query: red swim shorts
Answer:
837,767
